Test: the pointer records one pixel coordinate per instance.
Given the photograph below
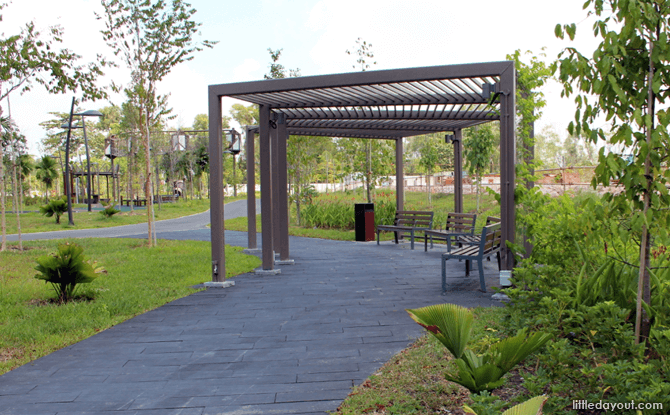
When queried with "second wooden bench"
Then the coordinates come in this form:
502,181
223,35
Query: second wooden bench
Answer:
408,222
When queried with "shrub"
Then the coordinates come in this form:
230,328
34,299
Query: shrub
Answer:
452,326
54,208
65,269
109,211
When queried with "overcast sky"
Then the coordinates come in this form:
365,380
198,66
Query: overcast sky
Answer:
314,36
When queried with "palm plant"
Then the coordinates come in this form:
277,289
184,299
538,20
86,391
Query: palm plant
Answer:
56,207
45,171
452,326
67,268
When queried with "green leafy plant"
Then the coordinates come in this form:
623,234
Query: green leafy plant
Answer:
54,208
452,326
109,211
66,269
532,406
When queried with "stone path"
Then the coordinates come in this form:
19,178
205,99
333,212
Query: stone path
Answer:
293,343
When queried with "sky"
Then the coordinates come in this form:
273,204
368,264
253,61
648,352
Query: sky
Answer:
314,36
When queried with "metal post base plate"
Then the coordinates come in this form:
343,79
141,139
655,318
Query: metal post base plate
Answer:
219,284
261,271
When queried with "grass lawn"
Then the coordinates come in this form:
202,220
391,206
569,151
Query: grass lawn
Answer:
34,222
138,279
442,203
413,382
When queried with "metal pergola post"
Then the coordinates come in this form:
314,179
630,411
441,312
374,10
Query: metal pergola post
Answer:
399,176
216,189
458,171
282,189
251,188
274,162
507,162
266,186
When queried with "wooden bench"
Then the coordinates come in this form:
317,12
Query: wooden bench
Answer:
474,239
458,224
408,222
489,244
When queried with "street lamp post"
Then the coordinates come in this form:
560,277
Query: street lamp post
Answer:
89,113
70,127
68,189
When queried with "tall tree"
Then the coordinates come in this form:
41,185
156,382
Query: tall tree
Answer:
152,37
479,143
627,80
45,171
433,153
367,170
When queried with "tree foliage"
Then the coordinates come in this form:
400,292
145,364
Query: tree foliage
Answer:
479,143
33,57
151,38
627,82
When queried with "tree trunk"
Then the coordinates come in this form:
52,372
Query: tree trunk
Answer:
479,184
130,176
3,246
147,182
642,322
368,168
18,207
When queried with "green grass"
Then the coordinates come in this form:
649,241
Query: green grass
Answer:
34,222
413,382
138,279
442,203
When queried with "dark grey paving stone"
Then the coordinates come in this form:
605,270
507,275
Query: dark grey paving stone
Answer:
319,407
291,343
340,394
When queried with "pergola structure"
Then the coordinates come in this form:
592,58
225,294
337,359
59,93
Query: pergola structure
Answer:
389,104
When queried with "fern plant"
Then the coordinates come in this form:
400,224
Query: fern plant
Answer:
109,211
452,326
54,208
67,268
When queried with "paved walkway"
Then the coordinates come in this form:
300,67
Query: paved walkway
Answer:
293,343
198,221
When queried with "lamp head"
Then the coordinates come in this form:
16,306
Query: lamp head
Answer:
90,113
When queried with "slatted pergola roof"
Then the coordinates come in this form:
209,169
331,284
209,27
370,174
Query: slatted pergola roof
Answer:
389,104
380,104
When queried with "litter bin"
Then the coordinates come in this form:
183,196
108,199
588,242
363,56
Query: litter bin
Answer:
364,216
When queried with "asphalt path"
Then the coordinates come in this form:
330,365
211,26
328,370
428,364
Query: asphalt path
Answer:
197,222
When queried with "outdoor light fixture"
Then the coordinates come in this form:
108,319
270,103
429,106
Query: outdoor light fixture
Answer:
449,138
179,141
490,89
234,139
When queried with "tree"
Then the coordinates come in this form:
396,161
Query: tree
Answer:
626,81
30,56
45,171
152,38
479,143
277,70
432,153
365,170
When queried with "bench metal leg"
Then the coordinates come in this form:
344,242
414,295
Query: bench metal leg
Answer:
377,237
444,275
467,267
395,233
482,282
412,240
